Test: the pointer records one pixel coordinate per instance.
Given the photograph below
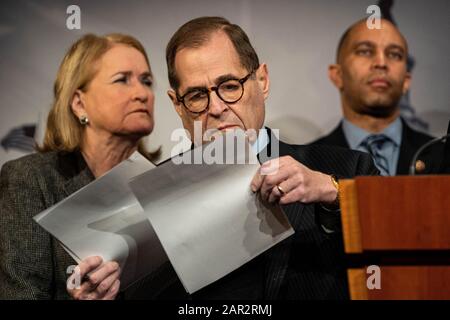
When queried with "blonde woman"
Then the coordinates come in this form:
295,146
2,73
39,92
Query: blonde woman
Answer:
103,107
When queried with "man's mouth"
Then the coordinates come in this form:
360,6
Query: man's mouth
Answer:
227,127
379,83
213,133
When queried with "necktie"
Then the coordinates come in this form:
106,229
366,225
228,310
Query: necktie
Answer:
374,144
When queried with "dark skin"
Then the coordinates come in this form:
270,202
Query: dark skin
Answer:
371,75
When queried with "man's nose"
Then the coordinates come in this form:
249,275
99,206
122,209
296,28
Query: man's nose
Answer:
216,105
379,61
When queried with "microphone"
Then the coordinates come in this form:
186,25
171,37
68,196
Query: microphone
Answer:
412,167
445,168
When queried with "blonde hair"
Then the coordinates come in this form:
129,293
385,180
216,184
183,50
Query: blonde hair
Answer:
78,68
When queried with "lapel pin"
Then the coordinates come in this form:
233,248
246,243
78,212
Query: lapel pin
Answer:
420,166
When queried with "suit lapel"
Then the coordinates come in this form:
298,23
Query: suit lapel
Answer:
411,142
408,145
337,138
406,151
277,258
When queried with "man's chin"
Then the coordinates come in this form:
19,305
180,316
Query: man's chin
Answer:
380,105
380,110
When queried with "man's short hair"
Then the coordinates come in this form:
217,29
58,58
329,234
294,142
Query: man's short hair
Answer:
197,32
347,32
344,38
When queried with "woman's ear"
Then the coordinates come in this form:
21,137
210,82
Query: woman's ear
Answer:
77,104
262,76
335,75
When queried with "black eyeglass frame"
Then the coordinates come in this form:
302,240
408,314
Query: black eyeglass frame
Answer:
216,90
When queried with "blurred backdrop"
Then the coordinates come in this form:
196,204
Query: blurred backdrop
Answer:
296,38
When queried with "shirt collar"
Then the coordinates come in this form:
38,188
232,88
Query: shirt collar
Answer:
261,142
355,135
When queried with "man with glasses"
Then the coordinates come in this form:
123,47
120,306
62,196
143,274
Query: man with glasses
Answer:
229,90
217,81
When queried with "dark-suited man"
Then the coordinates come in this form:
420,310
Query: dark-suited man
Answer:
217,79
371,75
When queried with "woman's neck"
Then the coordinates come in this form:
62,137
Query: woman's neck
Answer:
102,153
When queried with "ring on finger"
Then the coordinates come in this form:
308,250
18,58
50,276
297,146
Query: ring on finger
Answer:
282,192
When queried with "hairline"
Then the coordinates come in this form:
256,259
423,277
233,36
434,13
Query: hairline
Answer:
346,35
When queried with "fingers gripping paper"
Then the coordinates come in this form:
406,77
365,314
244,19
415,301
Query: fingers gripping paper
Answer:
104,218
206,216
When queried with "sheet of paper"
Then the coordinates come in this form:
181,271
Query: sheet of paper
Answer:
206,216
104,218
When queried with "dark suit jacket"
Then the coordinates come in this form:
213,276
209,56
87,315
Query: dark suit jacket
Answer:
412,140
32,263
308,265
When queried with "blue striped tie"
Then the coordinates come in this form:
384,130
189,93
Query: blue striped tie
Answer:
374,144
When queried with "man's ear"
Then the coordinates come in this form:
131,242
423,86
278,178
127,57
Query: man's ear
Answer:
262,76
77,104
335,75
407,82
177,105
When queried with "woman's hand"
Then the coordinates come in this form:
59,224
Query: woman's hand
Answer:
98,280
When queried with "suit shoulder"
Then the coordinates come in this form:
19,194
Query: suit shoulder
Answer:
324,140
335,150
334,138
31,162
415,133
28,169
337,160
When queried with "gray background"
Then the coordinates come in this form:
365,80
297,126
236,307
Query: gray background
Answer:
297,40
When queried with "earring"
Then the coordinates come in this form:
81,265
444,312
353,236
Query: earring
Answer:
84,120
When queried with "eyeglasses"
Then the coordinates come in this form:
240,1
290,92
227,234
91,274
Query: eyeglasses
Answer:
229,91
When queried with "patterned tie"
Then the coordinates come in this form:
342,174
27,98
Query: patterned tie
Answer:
374,144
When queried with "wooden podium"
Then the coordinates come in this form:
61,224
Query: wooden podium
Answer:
402,225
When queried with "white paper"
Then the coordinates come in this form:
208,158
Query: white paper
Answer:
105,219
207,218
